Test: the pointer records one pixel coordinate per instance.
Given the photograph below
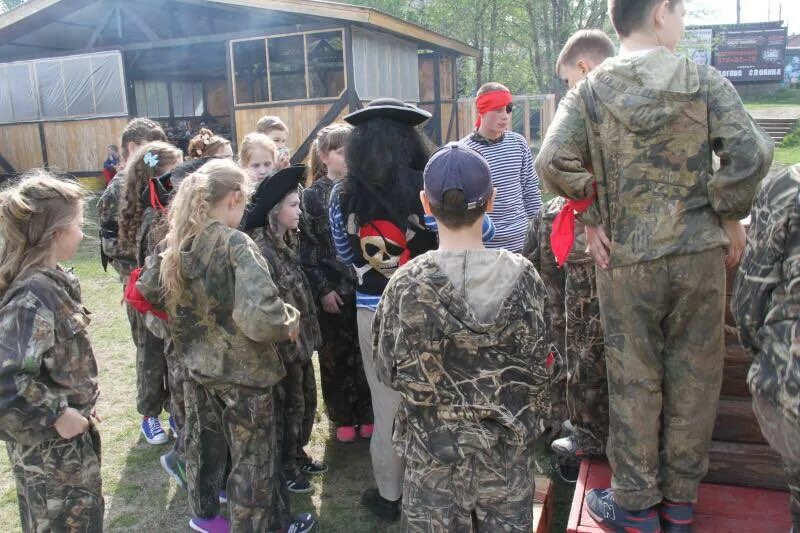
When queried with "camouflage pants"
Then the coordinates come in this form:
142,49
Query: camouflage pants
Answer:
487,491
783,434
58,484
663,323
344,384
296,406
176,374
587,385
556,394
152,392
226,417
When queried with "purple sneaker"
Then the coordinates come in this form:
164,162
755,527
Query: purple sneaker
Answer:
210,525
602,507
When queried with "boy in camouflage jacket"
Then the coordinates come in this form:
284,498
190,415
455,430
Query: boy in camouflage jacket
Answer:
638,136
765,304
462,334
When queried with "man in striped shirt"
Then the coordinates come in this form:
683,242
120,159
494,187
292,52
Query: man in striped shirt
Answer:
518,196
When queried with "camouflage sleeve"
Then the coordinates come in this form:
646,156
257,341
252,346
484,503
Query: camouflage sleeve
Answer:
532,250
744,150
537,320
310,236
27,404
149,284
773,237
388,341
257,308
562,160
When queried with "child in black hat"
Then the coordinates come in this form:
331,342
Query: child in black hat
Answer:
272,222
462,335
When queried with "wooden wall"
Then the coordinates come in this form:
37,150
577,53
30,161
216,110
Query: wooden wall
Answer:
80,145
301,120
20,146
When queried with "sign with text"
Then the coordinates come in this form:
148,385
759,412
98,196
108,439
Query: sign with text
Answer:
751,54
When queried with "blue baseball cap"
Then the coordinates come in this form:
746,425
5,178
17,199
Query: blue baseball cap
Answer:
456,166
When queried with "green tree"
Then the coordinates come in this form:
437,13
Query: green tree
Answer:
7,5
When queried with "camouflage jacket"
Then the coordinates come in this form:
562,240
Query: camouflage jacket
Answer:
108,212
644,129
324,271
294,288
465,350
229,315
766,293
46,360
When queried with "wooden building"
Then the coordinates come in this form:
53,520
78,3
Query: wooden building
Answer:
74,71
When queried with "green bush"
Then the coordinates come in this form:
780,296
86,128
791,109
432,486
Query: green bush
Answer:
791,140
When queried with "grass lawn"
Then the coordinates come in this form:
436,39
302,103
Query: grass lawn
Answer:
139,495
788,156
782,97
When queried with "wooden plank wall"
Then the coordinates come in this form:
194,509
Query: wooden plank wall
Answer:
80,145
301,120
19,144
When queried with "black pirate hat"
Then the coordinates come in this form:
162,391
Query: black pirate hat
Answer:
390,108
270,192
161,188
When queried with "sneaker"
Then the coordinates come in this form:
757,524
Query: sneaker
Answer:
152,430
676,517
568,427
301,523
313,468
602,507
223,496
173,427
381,507
365,430
299,484
568,447
175,468
210,525
346,434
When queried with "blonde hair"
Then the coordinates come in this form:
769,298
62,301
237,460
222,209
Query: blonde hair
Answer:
205,143
268,123
32,212
491,87
137,177
197,194
329,138
252,140
585,44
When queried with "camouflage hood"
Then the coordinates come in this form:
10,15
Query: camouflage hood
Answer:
628,85
195,260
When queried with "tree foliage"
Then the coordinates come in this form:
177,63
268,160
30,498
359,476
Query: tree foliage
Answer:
7,5
519,39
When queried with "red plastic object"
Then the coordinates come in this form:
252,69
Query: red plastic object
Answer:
719,509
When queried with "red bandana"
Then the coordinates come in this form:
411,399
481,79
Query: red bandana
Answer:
562,236
491,100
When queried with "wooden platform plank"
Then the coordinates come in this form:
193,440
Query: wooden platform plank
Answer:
749,465
542,505
736,421
720,508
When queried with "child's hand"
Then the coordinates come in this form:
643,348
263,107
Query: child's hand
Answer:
737,237
598,245
294,333
332,303
71,423
283,160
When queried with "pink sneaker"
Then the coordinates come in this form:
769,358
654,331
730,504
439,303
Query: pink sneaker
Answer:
365,430
210,525
346,434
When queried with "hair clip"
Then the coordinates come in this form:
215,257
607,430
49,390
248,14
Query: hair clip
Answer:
151,159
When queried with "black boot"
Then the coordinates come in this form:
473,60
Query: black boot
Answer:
381,507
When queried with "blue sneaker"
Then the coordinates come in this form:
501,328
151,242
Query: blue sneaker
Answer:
602,507
152,430
173,426
223,497
175,468
676,517
210,525
301,523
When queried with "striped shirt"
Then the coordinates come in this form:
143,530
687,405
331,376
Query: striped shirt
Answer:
518,196
344,251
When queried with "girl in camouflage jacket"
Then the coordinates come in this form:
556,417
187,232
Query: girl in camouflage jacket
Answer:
48,374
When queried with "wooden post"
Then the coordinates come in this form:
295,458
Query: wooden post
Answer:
43,144
455,96
350,71
231,93
437,99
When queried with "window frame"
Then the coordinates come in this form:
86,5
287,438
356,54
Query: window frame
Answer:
270,101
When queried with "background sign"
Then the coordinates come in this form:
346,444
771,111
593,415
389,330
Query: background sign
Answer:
751,54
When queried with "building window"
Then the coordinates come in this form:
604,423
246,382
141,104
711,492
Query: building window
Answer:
82,86
152,98
289,67
187,99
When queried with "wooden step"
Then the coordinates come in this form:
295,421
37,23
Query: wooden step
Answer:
736,421
719,508
542,505
745,465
